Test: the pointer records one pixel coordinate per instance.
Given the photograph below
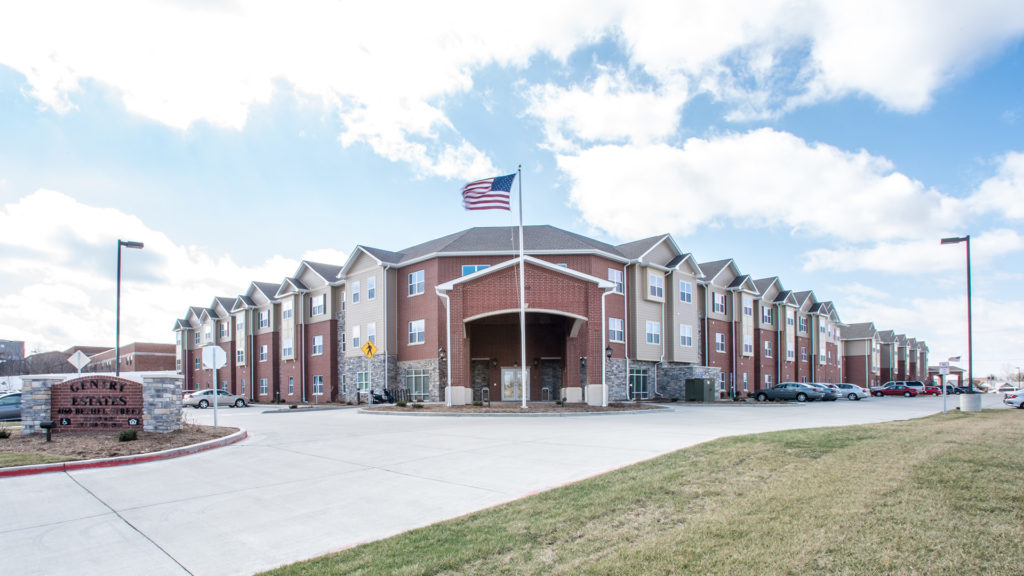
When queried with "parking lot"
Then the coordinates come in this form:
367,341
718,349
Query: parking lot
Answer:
309,482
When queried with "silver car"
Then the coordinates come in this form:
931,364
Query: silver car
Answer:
10,406
852,391
204,399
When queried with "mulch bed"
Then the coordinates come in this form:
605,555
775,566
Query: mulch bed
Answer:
513,408
89,445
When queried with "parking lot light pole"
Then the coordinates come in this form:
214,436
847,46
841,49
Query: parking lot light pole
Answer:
970,349
117,329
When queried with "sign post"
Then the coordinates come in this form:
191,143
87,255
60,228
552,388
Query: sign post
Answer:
79,360
214,358
369,349
943,372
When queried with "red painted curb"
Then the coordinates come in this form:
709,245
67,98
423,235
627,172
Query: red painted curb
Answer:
123,460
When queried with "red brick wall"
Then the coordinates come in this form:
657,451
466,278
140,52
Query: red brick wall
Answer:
803,368
268,369
325,364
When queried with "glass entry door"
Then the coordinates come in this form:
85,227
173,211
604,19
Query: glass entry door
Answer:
511,384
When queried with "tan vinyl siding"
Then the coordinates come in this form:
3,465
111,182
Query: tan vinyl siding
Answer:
366,311
682,313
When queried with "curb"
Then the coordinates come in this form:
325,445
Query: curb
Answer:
510,414
75,465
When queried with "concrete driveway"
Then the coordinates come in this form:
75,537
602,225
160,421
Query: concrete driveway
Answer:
308,483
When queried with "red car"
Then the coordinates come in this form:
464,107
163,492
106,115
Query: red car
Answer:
932,390
894,389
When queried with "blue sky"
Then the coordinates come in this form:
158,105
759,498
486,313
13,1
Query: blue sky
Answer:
829,144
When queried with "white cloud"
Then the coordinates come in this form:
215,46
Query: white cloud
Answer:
59,255
1004,192
760,178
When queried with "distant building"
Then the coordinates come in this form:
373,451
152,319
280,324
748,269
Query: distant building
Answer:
135,357
12,350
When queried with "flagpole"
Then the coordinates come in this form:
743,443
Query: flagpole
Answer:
522,291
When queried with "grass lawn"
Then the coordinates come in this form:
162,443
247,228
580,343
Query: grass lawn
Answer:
29,458
940,495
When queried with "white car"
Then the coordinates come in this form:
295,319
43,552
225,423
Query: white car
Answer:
852,391
1015,399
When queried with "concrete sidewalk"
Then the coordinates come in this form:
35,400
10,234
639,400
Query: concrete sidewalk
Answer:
309,483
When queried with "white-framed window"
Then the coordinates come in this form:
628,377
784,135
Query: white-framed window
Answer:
821,329
197,339
417,382
803,324
748,344
767,380
371,332
653,332
803,353
748,306
615,330
264,318
721,382
767,348
789,354
239,327
371,287
363,381
291,385
745,381
355,292
318,345
344,343
355,337
685,291
177,364
468,269
225,329
286,309
718,303
685,335
263,386
639,383
263,353
342,300
177,338
655,285
416,283
239,356
789,320
208,334
615,277
719,342
318,305
286,347
318,385
242,390
417,331
767,315
198,363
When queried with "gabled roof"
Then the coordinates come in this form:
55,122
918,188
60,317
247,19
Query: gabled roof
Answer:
329,272
765,284
713,269
786,297
601,282
290,286
242,302
859,331
744,284
687,259
181,324
637,249
886,336
802,297
901,339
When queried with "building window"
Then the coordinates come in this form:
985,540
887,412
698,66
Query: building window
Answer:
685,291
264,319
263,386
263,353
371,332
243,387
748,306
355,292
318,385
291,385
803,353
718,303
417,382
638,383
685,335
318,305
355,337
744,381
721,382
342,300
239,327
719,342
803,324
767,380
653,332
416,283
286,347
371,287
208,334
343,342
789,320
615,277
417,331
767,349
225,328
239,356
177,364
196,363
655,285
748,344
363,381
767,315
471,268
318,345
197,341
286,309
615,330
177,338
789,354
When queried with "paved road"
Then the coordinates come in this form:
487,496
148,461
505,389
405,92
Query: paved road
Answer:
304,484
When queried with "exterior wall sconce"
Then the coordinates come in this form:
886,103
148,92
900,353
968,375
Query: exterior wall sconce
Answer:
536,361
583,361
608,352
494,362
442,354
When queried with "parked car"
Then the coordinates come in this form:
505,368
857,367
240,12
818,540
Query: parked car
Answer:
789,391
204,399
10,406
852,391
1007,388
930,390
894,389
826,392
1015,398
187,392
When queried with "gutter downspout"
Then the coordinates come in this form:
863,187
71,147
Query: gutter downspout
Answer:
778,343
302,325
249,356
448,331
604,357
707,337
732,377
625,318
664,331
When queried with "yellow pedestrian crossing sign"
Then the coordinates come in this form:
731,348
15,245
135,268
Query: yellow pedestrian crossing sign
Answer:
369,349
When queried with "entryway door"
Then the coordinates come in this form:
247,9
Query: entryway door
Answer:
512,384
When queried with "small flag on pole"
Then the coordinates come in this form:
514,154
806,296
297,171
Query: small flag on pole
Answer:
954,359
489,193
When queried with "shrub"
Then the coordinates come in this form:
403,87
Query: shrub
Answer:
417,405
5,433
128,435
478,402
400,403
293,406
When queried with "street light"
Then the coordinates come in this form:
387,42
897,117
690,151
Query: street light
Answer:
117,335
970,349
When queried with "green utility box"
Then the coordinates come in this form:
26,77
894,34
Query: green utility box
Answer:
700,390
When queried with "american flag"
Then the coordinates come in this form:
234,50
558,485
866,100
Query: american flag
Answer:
489,193
954,359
